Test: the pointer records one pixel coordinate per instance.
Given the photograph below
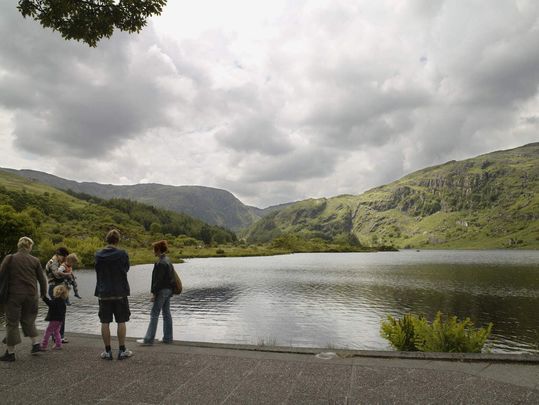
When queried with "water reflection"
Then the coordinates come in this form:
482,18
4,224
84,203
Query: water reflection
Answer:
336,300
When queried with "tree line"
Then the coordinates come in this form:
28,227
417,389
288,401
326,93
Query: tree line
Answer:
53,218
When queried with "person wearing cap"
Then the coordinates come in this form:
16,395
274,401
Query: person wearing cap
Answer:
24,273
55,277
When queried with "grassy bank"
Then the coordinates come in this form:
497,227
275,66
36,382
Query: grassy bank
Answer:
177,254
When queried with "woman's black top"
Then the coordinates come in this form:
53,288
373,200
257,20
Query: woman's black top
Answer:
162,276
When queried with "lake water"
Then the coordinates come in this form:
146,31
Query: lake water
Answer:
335,300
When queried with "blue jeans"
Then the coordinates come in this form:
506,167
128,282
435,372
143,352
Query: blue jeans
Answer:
160,304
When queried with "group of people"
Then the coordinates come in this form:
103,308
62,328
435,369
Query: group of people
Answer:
24,275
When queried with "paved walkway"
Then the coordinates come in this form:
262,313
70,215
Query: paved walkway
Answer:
188,374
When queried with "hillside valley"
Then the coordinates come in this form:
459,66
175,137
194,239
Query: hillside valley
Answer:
211,205
491,201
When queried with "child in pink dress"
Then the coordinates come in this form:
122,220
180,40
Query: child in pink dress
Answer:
55,315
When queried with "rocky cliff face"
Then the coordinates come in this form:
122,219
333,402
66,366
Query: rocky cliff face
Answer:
488,201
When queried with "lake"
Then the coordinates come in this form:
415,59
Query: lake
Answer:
334,300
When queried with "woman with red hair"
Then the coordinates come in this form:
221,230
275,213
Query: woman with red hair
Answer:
162,287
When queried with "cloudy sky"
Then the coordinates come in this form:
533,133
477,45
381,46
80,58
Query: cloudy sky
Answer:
272,100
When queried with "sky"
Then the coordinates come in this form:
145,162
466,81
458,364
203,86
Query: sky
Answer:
274,101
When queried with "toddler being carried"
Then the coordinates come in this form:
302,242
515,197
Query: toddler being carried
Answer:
66,268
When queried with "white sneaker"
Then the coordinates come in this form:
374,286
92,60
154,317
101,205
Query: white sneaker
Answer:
106,355
124,354
142,342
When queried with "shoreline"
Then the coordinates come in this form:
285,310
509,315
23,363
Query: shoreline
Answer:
242,375
524,358
181,258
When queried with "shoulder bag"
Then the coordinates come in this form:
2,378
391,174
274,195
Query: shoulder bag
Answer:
177,282
4,281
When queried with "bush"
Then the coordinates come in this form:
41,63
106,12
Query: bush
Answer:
44,250
86,251
400,332
448,334
13,225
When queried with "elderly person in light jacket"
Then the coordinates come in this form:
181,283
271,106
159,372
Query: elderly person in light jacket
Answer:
25,272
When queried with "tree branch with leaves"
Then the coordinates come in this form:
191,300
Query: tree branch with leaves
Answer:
91,20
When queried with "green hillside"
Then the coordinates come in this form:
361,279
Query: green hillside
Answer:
52,218
491,201
211,205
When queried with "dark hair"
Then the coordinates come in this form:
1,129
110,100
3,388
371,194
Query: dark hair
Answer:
62,251
160,246
113,237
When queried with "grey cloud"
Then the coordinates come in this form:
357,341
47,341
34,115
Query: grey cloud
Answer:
427,9
66,96
355,113
255,134
531,120
345,96
303,164
506,71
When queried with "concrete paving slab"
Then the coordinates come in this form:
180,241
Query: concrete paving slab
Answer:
462,367
310,400
215,383
187,374
261,389
281,367
323,381
524,376
481,391
154,385
392,362
400,385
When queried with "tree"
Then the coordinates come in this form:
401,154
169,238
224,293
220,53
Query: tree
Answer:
91,20
206,235
13,225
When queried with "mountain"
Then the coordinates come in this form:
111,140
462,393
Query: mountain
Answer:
490,201
211,205
53,217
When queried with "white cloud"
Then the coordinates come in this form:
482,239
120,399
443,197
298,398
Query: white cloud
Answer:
273,101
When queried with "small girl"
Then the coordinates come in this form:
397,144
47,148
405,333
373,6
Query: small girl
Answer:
55,316
67,268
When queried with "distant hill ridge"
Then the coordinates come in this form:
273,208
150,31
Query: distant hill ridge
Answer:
211,205
490,201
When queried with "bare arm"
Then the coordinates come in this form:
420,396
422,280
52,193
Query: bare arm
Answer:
62,271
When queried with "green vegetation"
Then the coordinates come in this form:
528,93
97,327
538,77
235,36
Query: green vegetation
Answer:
415,333
91,20
210,205
79,221
53,218
13,224
400,332
491,201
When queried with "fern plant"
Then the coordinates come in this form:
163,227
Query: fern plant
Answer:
400,332
444,334
448,334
